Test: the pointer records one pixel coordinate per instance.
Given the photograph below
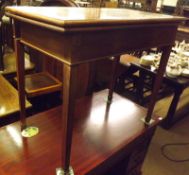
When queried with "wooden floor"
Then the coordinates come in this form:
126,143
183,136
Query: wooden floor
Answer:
98,135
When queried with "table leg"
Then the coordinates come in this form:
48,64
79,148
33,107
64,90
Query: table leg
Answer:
153,5
18,2
113,78
140,87
69,91
158,80
1,49
91,78
172,109
19,49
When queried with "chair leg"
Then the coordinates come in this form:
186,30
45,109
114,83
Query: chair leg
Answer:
121,83
1,50
140,88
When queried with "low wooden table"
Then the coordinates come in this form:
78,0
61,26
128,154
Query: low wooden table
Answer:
178,84
103,140
183,33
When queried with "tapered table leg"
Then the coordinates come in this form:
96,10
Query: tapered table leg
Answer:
26,131
113,78
19,49
69,92
158,80
1,49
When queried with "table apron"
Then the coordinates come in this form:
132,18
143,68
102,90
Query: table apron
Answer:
79,47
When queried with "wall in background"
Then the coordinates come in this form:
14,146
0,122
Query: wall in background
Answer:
170,2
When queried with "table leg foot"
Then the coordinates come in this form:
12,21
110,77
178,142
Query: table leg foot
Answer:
147,123
29,131
60,171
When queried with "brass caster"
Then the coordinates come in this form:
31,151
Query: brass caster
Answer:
29,131
60,171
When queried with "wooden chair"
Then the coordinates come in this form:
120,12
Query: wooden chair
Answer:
6,23
125,74
3,32
67,3
7,55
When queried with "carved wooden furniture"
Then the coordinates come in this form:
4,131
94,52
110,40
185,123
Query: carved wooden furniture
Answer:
78,35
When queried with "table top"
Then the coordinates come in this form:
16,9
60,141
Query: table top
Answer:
97,136
183,29
75,17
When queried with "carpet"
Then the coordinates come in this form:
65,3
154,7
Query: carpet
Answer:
156,164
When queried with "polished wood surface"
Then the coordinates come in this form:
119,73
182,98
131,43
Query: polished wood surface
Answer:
8,98
101,138
41,83
183,29
96,36
127,60
66,17
182,33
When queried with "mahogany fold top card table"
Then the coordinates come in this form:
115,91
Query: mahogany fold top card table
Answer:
80,35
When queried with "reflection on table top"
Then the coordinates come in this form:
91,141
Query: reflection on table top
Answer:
97,136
